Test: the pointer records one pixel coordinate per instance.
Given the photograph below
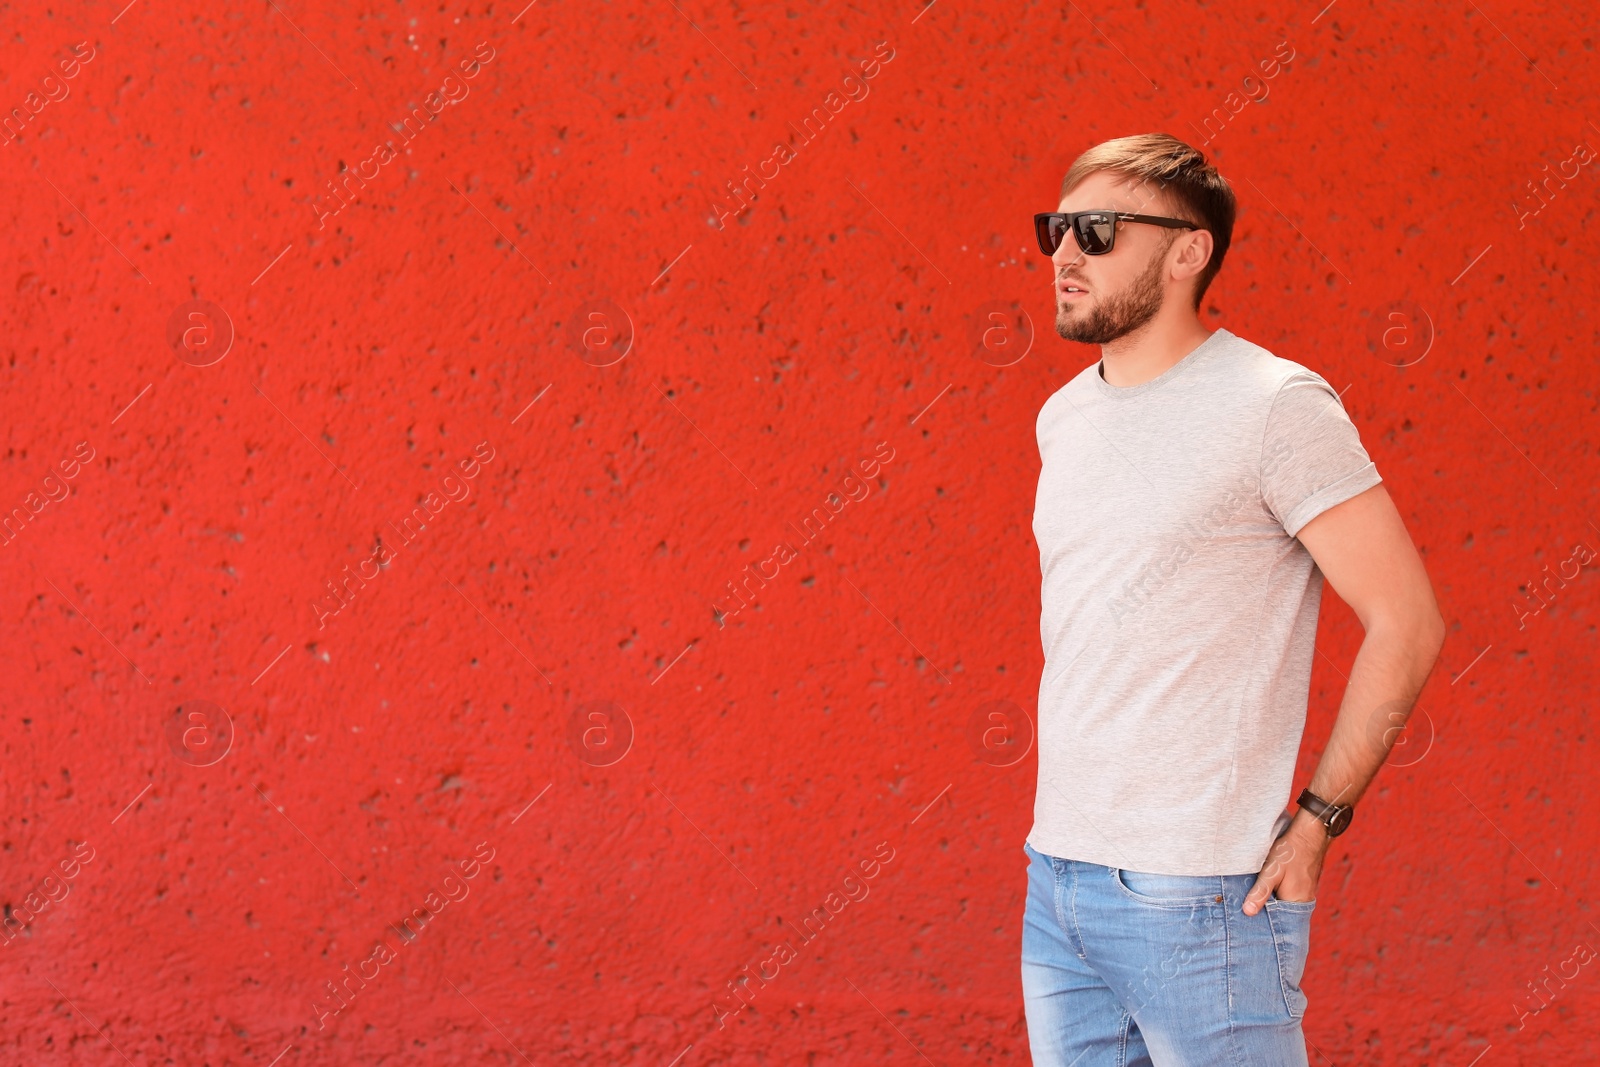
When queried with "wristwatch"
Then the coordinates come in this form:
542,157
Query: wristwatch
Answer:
1334,817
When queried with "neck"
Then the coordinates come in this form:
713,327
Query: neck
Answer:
1151,350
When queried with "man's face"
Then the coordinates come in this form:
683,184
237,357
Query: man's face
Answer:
1123,289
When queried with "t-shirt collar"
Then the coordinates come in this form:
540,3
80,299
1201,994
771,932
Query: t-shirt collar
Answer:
1120,392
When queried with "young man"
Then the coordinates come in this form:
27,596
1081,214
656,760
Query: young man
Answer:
1195,490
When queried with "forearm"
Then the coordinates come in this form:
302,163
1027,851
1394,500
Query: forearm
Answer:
1393,663
1363,549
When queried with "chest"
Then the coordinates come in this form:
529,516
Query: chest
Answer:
1114,481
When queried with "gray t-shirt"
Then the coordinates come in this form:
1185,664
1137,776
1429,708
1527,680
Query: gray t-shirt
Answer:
1178,610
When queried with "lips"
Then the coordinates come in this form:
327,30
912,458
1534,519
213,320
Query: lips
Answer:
1076,291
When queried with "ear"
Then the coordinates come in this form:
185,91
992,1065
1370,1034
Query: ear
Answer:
1194,252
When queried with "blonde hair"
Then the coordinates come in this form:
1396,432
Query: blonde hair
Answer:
1192,186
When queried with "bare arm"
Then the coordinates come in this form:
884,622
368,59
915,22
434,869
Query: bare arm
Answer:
1362,548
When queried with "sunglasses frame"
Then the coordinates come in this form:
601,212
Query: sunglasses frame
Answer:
1041,219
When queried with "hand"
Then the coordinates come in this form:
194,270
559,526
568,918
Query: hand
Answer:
1293,864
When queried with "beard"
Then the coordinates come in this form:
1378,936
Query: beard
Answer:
1119,314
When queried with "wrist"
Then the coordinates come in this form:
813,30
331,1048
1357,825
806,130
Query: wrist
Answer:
1310,829
1333,817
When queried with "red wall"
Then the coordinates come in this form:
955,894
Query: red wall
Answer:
565,611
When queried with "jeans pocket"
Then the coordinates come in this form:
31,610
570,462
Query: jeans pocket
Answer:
1291,940
1168,890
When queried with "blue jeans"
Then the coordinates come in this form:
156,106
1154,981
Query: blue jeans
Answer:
1122,969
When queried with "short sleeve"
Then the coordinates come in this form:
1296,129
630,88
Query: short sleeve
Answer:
1311,453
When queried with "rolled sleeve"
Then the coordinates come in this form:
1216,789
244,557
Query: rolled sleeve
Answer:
1311,453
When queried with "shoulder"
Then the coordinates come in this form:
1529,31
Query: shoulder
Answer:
1264,376
1078,389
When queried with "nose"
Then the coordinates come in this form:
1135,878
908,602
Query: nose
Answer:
1068,255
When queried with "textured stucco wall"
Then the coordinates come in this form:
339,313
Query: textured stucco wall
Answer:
611,388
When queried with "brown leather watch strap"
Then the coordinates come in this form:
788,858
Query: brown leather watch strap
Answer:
1335,818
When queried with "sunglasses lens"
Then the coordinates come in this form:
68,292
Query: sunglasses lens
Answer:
1094,233
1051,230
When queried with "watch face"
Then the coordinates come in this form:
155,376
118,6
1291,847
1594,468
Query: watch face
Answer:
1339,822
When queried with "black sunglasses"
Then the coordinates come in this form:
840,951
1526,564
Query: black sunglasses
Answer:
1096,231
